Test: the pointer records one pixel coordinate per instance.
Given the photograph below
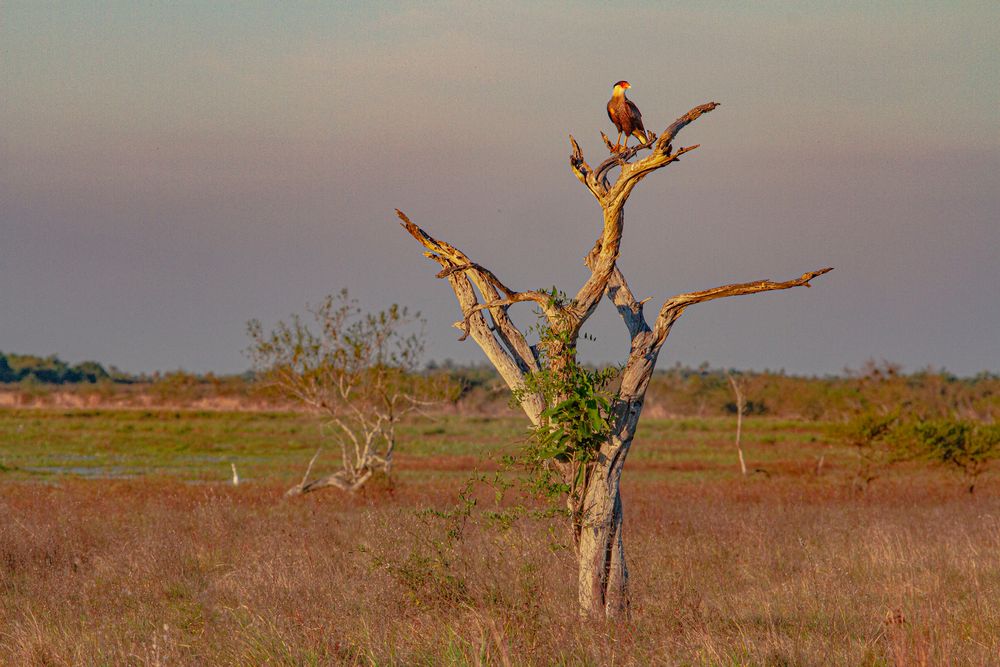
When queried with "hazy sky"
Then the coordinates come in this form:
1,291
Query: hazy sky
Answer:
171,170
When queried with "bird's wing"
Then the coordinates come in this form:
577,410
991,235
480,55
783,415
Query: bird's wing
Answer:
636,116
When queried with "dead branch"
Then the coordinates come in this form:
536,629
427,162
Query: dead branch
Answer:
638,170
487,274
674,306
299,488
671,132
455,264
625,155
646,343
337,479
504,344
607,142
456,261
584,173
310,466
518,297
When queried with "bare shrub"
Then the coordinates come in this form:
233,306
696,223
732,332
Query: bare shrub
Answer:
358,371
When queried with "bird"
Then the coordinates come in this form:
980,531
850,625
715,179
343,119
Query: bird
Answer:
625,115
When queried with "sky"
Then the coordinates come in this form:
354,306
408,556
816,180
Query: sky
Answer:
169,171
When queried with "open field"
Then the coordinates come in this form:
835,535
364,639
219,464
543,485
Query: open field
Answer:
124,543
198,446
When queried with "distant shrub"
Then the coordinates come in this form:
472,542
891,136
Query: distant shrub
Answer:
871,436
964,446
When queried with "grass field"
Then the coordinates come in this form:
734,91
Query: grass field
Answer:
267,446
123,542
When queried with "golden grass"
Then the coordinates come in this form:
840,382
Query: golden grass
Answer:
772,571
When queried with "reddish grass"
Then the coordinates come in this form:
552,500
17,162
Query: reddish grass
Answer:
444,463
769,571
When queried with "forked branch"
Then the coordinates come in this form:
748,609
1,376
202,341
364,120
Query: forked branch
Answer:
621,296
503,343
596,180
612,199
454,261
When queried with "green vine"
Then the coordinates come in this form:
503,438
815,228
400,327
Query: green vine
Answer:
577,421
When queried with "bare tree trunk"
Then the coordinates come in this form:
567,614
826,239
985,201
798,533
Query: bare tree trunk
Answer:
740,408
603,571
603,567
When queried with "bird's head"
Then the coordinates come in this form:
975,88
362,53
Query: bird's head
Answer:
622,86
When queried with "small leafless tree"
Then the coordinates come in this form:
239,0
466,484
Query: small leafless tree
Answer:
360,372
741,406
595,502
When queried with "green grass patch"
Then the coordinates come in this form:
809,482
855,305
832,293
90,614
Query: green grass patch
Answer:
46,444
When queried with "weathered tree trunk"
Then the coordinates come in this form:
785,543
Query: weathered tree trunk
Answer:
597,510
603,570
603,573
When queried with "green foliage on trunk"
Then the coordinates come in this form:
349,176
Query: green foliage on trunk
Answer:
564,445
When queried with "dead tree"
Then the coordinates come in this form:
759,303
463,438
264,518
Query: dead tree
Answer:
597,526
741,406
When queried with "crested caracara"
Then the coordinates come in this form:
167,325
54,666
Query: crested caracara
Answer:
625,115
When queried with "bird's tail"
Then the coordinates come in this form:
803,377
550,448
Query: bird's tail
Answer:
640,135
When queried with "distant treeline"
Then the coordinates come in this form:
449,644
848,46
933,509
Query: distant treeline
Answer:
676,391
706,391
52,370
880,387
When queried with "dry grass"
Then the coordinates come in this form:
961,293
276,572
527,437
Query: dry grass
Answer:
774,571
